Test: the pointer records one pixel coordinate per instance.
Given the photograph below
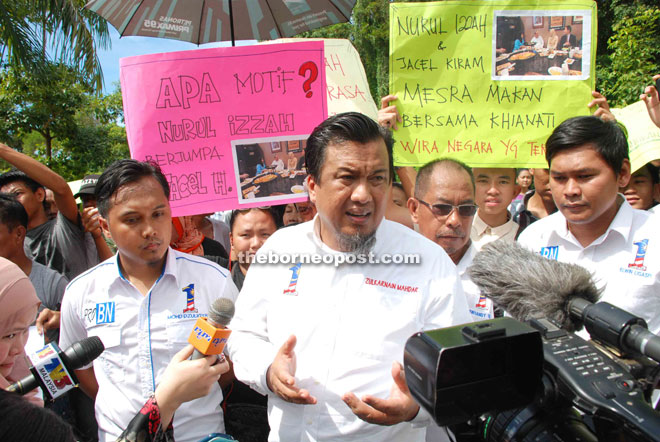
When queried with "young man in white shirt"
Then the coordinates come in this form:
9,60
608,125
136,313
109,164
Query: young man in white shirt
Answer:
142,303
595,226
326,341
494,191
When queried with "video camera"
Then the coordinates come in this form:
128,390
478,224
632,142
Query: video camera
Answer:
519,381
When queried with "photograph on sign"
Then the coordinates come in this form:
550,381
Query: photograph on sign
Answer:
270,169
525,48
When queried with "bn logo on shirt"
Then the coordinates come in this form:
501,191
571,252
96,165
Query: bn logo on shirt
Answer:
105,313
550,252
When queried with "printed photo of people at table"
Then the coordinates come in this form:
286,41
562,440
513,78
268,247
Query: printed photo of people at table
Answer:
541,47
269,170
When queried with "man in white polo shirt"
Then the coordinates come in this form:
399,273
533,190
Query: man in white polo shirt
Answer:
326,342
142,303
595,227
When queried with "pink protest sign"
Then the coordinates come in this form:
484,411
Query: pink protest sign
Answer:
228,126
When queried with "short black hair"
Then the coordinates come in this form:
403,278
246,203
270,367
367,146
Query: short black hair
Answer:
340,128
606,137
12,213
267,210
42,424
424,174
123,172
16,175
569,28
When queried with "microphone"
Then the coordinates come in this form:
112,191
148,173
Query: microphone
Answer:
52,368
209,335
528,285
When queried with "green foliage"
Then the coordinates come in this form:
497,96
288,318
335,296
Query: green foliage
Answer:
633,55
60,121
31,31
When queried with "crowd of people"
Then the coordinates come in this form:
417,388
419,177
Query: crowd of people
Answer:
317,340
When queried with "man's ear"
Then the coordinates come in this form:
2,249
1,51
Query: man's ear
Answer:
311,188
105,227
19,233
624,176
413,206
40,193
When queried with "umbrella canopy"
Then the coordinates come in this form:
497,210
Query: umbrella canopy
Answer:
205,21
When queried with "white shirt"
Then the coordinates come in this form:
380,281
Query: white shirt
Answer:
481,307
141,334
221,233
482,233
351,323
537,41
628,270
278,164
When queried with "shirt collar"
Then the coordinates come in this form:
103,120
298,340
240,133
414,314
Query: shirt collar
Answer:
621,224
466,260
480,226
170,266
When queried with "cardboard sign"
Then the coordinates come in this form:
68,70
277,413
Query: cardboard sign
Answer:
226,125
486,82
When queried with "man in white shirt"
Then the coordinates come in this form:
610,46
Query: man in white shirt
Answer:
277,163
325,342
494,191
595,226
443,209
537,40
142,303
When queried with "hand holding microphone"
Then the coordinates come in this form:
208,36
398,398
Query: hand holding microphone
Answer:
209,335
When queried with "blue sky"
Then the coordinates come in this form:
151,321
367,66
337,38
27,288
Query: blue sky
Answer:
129,46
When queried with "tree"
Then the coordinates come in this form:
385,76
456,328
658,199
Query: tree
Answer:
62,123
632,53
30,30
44,102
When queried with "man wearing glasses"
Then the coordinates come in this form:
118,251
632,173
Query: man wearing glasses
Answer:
443,208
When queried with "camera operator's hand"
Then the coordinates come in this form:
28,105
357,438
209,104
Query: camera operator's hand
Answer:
280,376
398,407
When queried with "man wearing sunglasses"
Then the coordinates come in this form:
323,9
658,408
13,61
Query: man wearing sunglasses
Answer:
443,208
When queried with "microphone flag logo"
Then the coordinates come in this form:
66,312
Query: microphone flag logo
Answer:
641,254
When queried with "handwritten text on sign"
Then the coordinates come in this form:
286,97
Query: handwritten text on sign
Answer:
184,109
466,93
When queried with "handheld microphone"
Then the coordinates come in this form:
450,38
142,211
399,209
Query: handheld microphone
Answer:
528,286
209,335
52,368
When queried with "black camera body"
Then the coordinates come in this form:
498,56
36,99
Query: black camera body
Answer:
461,372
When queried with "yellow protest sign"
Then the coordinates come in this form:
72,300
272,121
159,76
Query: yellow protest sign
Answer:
643,135
346,81
486,82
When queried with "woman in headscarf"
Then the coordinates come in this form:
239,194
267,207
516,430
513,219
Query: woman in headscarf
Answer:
187,238
18,309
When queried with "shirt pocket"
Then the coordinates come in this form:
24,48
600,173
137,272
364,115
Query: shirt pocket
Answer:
113,359
177,335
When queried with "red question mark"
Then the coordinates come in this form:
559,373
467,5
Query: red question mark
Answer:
308,66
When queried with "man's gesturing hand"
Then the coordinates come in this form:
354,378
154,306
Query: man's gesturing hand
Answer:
280,376
399,407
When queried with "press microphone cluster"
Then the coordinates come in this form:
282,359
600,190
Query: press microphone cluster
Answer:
52,369
209,335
